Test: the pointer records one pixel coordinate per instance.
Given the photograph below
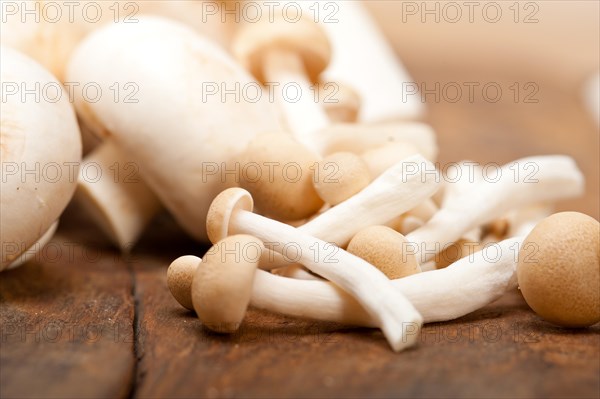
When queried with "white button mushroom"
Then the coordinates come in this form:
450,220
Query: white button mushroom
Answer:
116,197
181,129
41,149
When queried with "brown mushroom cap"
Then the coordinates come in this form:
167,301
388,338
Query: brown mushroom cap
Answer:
219,213
278,172
179,279
304,38
384,248
456,251
222,284
559,269
340,101
339,176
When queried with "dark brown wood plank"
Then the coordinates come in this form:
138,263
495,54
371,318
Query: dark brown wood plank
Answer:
67,320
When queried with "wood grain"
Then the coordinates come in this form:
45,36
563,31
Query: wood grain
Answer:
66,321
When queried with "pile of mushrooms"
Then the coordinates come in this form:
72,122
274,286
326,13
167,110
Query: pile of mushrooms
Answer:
313,210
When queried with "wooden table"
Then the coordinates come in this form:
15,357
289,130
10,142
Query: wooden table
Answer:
84,321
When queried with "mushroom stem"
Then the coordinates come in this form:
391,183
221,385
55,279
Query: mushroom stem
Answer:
556,177
305,116
116,197
439,295
392,312
399,189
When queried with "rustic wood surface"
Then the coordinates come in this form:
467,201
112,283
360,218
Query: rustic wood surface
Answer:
91,323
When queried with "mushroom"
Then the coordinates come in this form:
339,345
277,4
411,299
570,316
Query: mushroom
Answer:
277,170
179,279
381,158
340,101
357,45
384,248
339,176
179,144
231,213
222,282
290,56
399,189
296,271
41,149
110,189
559,270
556,177
439,295
51,40
35,248
359,139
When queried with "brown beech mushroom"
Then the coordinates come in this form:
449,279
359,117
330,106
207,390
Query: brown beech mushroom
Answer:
559,269
290,56
340,101
278,172
463,287
339,176
384,248
222,283
231,213
179,279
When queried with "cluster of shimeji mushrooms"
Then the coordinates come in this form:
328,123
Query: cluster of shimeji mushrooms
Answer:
353,221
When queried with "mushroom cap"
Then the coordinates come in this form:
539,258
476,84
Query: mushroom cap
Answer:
222,284
381,158
359,138
179,279
340,176
455,251
559,270
40,142
221,209
277,171
305,38
174,132
384,248
340,101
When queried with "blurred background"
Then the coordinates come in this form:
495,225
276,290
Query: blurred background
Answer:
547,51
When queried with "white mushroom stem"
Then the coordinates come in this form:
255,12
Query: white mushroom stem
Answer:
304,116
522,221
399,189
387,307
296,271
556,177
352,138
35,248
439,295
112,191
